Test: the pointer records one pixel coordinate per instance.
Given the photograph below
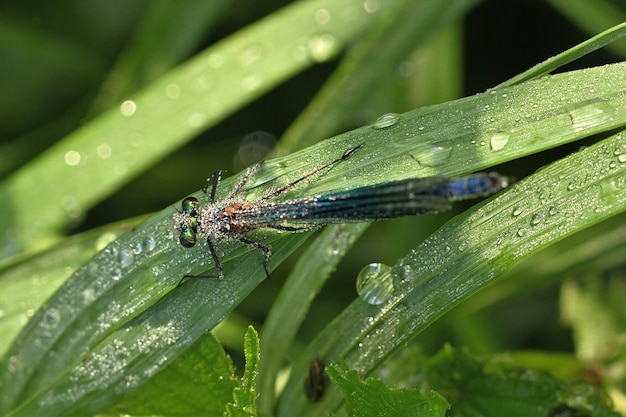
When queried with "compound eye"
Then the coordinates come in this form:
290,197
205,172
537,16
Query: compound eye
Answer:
189,222
190,206
187,237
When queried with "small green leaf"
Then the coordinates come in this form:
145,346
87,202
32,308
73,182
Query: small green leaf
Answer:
244,397
373,398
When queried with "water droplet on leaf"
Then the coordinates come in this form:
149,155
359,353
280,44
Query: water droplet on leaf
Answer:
374,283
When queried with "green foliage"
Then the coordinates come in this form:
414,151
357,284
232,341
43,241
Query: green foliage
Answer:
199,383
244,397
101,320
499,386
373,398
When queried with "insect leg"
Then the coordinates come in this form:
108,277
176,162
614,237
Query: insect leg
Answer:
286,187
290,228
215,179
266,251
216,260
249,173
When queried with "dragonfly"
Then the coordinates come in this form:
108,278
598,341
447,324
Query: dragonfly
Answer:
233,217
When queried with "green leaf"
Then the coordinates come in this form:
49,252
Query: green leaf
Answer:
244,397
371,397
499,386
200,382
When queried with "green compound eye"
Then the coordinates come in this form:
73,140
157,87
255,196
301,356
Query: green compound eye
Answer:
187,237
190,206
189,224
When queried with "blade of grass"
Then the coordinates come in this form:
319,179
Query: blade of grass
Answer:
27,282
593,17
165,36
599,248
608,37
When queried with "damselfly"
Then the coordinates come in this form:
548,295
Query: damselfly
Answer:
232,218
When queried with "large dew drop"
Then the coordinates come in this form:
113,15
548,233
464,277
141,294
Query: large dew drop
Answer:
374,284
